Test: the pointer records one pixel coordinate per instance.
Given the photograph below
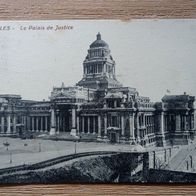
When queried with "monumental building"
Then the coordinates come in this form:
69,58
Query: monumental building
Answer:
101,109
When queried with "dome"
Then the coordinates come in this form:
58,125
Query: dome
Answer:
99,42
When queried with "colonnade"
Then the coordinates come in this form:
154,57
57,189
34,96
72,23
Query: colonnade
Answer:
122,126
57,121
146,125
8,124
183,122
39,123
94,124
90,124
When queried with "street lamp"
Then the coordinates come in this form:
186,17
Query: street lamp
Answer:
75,146
76,139
10,157
40,147
6,144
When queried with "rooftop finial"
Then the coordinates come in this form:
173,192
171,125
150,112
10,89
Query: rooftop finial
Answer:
98,36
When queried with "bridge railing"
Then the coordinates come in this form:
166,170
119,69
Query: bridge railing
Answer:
51,162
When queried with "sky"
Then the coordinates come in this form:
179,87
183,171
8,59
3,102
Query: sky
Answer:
150,55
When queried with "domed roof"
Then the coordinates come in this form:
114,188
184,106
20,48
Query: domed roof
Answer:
99,42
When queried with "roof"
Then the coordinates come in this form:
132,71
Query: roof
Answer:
99,42
44,104
13,96
172,98
111,95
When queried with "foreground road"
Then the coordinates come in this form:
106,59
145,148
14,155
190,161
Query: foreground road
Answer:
32,151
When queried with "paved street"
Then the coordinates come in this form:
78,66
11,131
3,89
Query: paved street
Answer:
178,162
35,150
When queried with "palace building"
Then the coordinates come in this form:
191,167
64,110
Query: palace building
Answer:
101,109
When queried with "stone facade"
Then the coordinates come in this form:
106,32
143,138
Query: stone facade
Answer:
99,107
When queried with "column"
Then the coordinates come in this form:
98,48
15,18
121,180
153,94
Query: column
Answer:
94,124
193,121
99,126
78,125
161,123
185,122
178,122
2,124
85,71
41,123
32,121
104,68
145,124
23,120
131,126
73,117
138,128
58,123
59,127
8,124
37,123
82,124
105,126
14,124
166,124
162,129
46,123
122,127
88,122
153,124
52,123
144,120
28,123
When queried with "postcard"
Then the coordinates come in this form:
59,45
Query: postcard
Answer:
98,101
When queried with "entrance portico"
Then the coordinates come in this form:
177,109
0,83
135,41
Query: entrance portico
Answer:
64,119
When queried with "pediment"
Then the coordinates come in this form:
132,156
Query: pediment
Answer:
67,94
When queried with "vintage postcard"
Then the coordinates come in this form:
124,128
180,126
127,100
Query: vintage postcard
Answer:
102,101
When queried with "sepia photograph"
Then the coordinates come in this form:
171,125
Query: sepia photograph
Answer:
98,101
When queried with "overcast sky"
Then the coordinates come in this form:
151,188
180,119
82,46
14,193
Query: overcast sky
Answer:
150,55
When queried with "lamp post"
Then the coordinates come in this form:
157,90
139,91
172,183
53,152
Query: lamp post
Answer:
10,157
75,145
6,144
40,147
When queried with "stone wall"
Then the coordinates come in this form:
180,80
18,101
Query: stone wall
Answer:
166,176
105,169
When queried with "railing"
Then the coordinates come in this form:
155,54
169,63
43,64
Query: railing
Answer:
161,156
51,162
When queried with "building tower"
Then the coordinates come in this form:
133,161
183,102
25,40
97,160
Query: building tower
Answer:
99,67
